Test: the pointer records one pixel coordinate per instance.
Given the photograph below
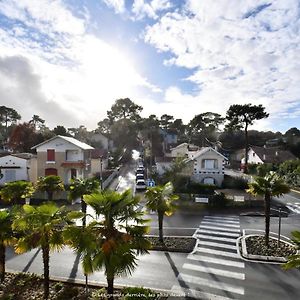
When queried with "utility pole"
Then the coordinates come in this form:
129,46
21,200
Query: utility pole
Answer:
101,183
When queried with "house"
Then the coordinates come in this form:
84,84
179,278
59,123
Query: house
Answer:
64,156
261,155
21,166
184,150
208,166
203,166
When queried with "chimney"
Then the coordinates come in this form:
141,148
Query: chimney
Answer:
264,157
276,153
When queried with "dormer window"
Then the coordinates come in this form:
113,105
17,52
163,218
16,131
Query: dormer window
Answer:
51,155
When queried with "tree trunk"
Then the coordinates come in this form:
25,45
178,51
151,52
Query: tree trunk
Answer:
2,261
46,255
110,288
83,209
267,217
246,149
160,226
50,196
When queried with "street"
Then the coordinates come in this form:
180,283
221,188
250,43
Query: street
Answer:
214,270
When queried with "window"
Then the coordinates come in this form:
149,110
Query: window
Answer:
209,164
50,155
73,173
253,154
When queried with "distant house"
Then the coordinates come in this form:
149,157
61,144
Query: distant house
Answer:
184,150
21,166
203,166
64,156
261,155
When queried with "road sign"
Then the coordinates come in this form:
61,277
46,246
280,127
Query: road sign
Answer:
150,183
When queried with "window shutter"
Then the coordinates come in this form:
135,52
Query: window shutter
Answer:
50,155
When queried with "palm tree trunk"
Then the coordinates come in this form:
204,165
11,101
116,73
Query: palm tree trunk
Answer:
110,288
2,261
83,209
267,217
160,226
46,258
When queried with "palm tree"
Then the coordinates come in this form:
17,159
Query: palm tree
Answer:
111,244
41,226
80,187
294,260
160,199
50,184
271,185
17,191
6,238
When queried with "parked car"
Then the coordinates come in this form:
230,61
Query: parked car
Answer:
139,177
140,184
140,171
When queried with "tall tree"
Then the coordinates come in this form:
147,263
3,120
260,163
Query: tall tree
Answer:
61,130
113,243
16,191
8,116
268,186
160,199
80,187
23,137
6,237
50,184
104,126
166,121
41,226
37,122
242,116
124,109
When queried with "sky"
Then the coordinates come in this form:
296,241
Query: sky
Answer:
69,60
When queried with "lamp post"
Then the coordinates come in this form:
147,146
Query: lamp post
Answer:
101,184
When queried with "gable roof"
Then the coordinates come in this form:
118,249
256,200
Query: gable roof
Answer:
206,149
190,147
272,155
71,140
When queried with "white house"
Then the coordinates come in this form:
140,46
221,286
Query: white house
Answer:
208,166
184,150
64,156
20,166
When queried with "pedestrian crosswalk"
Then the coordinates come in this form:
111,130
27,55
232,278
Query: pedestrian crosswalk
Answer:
214,270
294,207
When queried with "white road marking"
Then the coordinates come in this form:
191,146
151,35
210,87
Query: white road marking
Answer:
221,272
220,224
214,260
221,221
236,218
184,292
219,228
212,284
219,245
215,238
218,233
217,252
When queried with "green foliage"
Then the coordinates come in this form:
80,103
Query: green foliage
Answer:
15,191
294,260
50,184
113,243
237,183
172,174
136,293
68,293
290,172
80,187
218,200
99,294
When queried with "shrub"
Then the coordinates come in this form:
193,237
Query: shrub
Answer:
219,200
238,183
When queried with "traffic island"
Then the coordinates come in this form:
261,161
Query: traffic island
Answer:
253,248
184,244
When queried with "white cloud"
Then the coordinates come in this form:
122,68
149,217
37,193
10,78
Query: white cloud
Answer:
65,75
150,9
238,52
117,5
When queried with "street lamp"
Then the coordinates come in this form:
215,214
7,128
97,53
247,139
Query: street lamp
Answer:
101,165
